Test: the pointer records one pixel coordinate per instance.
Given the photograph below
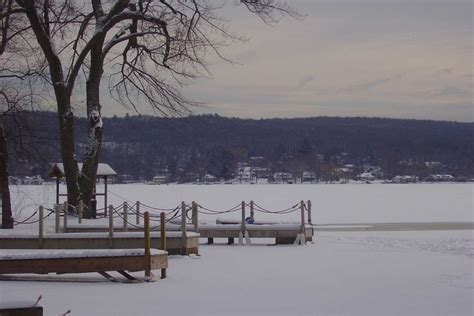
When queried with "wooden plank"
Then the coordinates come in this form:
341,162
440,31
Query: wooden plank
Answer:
81,265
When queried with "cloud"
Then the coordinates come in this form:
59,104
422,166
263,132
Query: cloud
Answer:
369,84
452,91
304,81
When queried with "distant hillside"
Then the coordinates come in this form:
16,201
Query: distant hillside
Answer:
143,146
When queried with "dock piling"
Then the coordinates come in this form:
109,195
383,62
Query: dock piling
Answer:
81,211
195,216
111,226
183,228
163,238
56,222
138,213
310,221
303,237
242,226
65,212
40,228
147,255
125,216
252,212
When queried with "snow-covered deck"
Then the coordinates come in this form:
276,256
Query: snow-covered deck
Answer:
82,261
100,240
282,232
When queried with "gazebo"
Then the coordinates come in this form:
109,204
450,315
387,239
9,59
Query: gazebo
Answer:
103,171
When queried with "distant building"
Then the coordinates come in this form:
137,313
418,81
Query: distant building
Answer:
34,180
161,179
125,178
209,179
440,178
282,177
366,176
432,164
308,176
405,179
245,174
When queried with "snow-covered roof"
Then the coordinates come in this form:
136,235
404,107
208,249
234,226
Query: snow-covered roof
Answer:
103,169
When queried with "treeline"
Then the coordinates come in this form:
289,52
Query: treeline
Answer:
144,146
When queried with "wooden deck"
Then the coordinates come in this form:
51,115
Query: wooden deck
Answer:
283,233
83,261
121,240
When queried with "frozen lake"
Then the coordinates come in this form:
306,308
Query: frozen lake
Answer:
332,203
348,273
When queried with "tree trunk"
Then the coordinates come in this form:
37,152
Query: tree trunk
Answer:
63,99
7,219
66,132
88,177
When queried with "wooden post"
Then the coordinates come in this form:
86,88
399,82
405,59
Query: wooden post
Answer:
252,212
111,226
242,225
125,216
137,210
310,221
195,217
57,190
183,229
105,194
147,246
40,228
302,221
56,223
65,212
163,238
81,211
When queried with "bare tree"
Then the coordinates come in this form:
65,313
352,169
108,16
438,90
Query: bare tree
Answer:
7,219
146,49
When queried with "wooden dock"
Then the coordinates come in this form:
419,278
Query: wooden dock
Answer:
175,244
282,233
83,261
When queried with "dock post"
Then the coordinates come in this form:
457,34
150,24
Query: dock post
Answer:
310,221
195,217
147,255
125,216
40,228
111,226
183,229
138,212
252,212
65,211
303,237
81,211
163,238
242,226
56,222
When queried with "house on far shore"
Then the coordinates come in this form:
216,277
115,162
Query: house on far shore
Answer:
161,179
282,177
366,176
405,179
308,176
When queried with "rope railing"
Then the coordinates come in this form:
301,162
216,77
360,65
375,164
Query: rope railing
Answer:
154,208
15,222
209,211
261,209
129,223
26,221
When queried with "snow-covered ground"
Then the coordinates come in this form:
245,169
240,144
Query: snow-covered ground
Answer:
348,273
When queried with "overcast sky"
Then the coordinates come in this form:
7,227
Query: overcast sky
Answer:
384,58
